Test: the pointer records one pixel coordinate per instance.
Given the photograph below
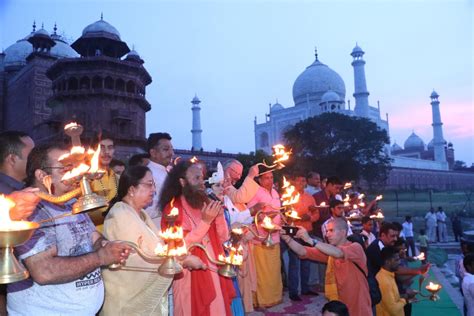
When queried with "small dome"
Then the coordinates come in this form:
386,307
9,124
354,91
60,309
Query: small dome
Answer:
315,80
430,144
99,28
277,107
15,55
450,145
357,50
133,54
330,96
434,94
396,147
195,100
41,32
62,49
414,142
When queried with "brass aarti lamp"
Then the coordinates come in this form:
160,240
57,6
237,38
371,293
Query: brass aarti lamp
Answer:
280,155
12,234
225,263
83,168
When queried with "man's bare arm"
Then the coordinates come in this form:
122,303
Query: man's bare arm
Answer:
48,268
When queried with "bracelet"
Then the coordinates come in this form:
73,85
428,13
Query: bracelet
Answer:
315,242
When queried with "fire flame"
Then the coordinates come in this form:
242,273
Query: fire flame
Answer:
161,250
292,214
70,125
237,231
379,215
347,185
280,154
433,287
361,196
172,233
421,256
95,161
290,196
194,159
267,223
80,170
174,212
378,197
178,251
323,204
235,256
5,205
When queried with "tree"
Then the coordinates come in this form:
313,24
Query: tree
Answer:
336,144
251,159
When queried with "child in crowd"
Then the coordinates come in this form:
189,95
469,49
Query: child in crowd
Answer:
423,240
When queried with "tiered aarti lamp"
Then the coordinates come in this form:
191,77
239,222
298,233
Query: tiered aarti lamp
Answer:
12,234
83,168
288,199
433,288
280,155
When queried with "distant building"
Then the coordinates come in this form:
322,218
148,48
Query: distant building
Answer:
97,82
319,89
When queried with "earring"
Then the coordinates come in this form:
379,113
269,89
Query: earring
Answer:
131,194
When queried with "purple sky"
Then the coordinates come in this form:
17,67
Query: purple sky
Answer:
240,55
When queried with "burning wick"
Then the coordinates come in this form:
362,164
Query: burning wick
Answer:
347,185
174,212
379,215
323,204
194,159
421,256
238,231
433,287
378,197
361,196
292,214
267,223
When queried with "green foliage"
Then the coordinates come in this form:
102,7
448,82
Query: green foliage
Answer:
342,145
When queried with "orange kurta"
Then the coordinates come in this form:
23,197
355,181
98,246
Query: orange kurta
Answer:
352,286
302,207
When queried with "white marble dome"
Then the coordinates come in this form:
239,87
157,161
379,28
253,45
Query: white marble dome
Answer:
396,147
413,141
277,107
330,96
315,81
100,27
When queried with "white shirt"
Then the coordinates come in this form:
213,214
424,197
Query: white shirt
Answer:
441,216
159,173
370,236
431,219
468,292
311,190
407,229
235,215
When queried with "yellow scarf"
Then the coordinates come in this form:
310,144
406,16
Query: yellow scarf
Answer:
330,286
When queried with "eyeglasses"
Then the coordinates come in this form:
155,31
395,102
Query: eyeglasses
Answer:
148,184
61,168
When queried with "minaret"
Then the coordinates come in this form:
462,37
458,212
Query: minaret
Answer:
196,131
361,94
438,140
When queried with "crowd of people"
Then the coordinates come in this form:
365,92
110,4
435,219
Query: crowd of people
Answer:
358,263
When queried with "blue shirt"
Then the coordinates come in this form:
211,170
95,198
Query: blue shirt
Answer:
8,184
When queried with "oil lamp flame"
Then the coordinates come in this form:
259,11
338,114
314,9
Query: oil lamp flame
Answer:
378,215
433,287
78,171
237,231
5,205
194,159
421,256
174,212
292,214
70,125
267,223
361,196
280,154
172,233
347,185
378,197
323,204
95,161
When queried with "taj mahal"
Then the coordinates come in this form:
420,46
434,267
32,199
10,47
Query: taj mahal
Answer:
319,89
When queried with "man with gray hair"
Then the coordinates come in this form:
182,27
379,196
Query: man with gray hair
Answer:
346,273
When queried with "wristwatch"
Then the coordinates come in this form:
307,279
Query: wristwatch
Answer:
315,242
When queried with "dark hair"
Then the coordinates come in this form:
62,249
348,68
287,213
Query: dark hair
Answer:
422,231
38,159
333,203
100,137
172,187
366,219
399,242
388,253
312,174
385,227
297,174
468,260
130,178
336,307
136,160
154,138
397,226
116,162
11,144
407,218
358,238
333,180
